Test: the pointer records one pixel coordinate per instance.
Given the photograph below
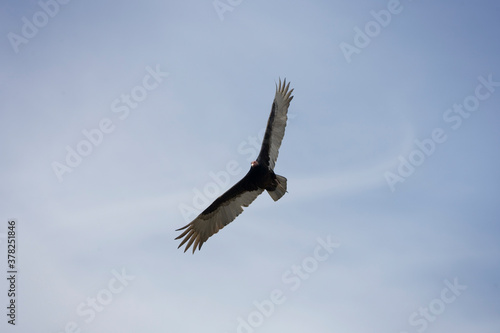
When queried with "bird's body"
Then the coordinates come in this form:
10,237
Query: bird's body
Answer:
257,178
260,177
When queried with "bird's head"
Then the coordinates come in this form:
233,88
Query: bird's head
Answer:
254,164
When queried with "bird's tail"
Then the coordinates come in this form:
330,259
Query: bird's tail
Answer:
280,188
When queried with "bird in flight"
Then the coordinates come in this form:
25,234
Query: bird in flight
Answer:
260,177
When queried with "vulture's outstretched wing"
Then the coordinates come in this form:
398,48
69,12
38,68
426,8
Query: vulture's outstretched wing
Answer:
275,126
220,213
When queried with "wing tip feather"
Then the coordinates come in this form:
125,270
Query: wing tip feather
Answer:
283,89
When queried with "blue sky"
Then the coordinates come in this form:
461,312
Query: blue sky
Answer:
391,155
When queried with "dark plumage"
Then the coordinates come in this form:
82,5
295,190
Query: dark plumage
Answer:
260,177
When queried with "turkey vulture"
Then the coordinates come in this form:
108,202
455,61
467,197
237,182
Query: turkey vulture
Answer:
260,177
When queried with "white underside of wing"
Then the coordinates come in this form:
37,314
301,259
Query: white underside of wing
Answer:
282,100
205,225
